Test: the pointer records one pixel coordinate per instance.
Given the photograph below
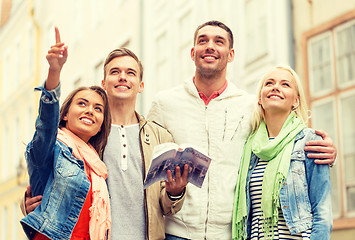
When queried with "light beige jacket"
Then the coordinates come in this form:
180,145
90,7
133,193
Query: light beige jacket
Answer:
157,202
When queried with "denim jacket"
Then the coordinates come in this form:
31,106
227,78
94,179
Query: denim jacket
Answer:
305,196
54,173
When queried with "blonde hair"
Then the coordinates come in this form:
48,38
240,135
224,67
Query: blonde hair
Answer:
301,110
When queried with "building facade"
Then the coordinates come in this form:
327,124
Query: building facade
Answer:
261,39
91,29
316,37
325,49
18,61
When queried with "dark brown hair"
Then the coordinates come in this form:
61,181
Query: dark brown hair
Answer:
216,24
121,52
98,141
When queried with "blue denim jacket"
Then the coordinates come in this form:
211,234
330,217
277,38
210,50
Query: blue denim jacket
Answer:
305,196
54,173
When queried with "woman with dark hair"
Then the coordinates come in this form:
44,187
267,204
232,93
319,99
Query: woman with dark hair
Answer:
63,161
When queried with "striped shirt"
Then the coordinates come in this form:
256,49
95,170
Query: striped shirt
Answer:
281,230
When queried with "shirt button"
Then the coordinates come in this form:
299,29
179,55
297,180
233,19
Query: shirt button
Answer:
122,135
46,99
124,145
124,156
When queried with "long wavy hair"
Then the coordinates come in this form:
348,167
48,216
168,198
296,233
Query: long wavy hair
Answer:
98,141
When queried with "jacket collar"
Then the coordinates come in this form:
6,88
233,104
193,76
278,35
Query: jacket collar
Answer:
299,136
142,121
230,91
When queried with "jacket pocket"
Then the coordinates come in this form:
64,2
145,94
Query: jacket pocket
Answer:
298,189
67,165
297,163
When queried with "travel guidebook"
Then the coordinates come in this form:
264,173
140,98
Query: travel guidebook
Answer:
169,155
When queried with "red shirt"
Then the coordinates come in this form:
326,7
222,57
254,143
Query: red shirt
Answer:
214,94
81,229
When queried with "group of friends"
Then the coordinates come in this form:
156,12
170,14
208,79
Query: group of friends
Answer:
268,178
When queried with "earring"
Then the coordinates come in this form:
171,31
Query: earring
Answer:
293,108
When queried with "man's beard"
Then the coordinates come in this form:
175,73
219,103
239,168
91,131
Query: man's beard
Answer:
208,72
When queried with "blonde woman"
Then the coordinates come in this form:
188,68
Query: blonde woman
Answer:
281,193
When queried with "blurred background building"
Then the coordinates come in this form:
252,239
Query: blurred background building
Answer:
316,37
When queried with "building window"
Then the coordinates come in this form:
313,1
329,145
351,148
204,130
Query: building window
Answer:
186,32
77,21
256,30
5,225
17,64
162,61
16,146
320,61
15,221
6,75
98,73
331,80
345,49
347,116
30,49
29,124
5,153
98,9
324,117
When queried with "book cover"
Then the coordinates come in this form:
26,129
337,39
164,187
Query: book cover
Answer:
169,155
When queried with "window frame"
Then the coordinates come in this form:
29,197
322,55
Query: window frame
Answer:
309,56
345,219
252,32
336,30
341,97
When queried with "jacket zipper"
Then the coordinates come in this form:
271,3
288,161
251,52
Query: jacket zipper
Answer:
208,189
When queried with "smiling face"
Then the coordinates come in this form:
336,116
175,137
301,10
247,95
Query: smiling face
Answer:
85,114
122,78
279,92
211,51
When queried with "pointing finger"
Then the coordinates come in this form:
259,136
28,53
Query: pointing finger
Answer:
57,35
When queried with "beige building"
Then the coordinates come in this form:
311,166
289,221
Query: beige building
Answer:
314,36
18,68
91,29
261,39
325,59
